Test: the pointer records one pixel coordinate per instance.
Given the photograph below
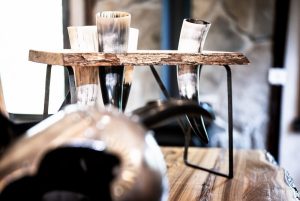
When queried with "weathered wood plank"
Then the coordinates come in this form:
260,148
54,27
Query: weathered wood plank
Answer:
255,178
156,57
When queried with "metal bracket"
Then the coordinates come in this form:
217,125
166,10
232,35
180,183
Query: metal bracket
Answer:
187,132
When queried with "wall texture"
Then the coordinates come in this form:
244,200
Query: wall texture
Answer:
244,26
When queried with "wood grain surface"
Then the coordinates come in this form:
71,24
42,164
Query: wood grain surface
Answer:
156,57
255,178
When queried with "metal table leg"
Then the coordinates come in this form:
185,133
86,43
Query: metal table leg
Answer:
230,120
230,134
167,95
72,84
47,91
160,83
187,132
71,95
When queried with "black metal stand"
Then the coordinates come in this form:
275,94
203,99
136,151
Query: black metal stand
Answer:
47,91
71,95
187,131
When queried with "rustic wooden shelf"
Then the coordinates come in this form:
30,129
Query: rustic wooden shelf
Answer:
256,176
69,57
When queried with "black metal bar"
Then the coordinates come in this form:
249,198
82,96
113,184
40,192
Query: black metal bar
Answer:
47,91
72,87
230,120
199,74
166,94
187,132
160,83
187,140
230,133
207,170
66,101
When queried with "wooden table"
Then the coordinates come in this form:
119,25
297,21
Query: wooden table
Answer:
256,176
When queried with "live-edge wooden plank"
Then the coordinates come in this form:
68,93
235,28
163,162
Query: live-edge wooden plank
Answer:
53,58
74,58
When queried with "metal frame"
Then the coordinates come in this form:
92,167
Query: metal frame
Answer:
72,87
47,91
70,96
187,131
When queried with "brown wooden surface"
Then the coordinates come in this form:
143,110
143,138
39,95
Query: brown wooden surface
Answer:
156,57
255,178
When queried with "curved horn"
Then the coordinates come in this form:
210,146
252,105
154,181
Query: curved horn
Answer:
156,112
84,38
128,71
192,37
113,32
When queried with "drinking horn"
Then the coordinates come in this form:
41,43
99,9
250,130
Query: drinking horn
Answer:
192,37
84,38
113,35
128,69
88,153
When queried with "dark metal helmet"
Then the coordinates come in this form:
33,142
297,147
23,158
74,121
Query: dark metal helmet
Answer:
84,154
87,153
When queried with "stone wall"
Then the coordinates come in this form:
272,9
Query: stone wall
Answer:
244,26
